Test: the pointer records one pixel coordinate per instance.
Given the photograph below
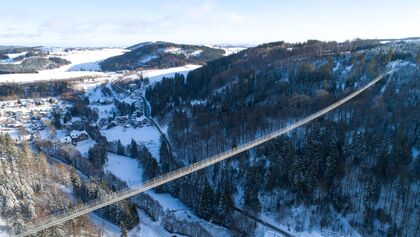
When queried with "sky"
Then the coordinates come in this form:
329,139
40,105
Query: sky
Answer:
246,22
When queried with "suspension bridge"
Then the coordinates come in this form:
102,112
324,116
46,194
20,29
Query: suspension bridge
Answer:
111,198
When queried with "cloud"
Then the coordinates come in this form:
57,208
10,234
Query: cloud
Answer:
182,20
58,23
235,18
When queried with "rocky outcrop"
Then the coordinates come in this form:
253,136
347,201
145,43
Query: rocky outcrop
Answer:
149,205
180,222
184,224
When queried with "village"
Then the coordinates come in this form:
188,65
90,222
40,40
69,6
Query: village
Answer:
115,108
26,119
52,118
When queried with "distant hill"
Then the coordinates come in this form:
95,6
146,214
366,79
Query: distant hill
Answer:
17,59
33,65
17,49
150,55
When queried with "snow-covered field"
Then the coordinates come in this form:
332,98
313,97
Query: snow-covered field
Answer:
89,59
46,75
104,111
233,50
147,135
12,57
84,146
157,75
228,50
176,50
125,168
84,62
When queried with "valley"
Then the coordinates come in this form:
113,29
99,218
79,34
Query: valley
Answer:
98,132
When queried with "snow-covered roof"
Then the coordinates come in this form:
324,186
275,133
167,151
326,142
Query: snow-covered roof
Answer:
141,118
75,134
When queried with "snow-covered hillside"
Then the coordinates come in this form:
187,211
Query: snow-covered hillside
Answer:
12,58
366,151
87,59
229,50
162,55
157,75
84,62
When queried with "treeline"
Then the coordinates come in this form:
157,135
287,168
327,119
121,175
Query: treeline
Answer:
13,91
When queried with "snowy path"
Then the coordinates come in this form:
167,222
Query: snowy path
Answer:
176,174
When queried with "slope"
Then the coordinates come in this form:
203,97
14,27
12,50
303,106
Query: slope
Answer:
161,55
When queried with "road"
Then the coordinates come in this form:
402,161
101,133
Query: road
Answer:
147,112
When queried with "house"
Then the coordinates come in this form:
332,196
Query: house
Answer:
142,120
105,101
138,112
26,137
78,136
121,119
137,92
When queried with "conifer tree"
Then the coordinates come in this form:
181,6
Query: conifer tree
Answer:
124,232
251,191
97,155
165,158
67,117
226,204
205,209
133,149
120,148
57,119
